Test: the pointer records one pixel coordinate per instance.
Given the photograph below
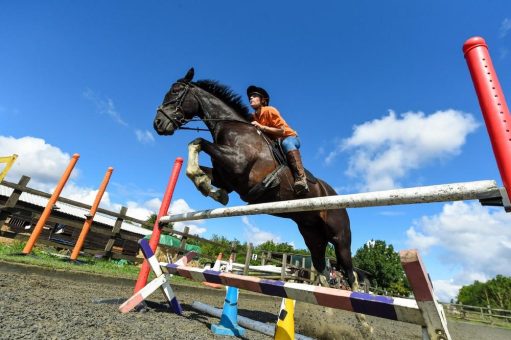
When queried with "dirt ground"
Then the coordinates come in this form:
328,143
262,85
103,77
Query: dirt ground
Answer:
37,303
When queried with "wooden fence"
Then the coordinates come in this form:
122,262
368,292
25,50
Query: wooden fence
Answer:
486,314
18,217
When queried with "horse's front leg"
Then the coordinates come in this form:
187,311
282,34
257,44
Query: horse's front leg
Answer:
201,180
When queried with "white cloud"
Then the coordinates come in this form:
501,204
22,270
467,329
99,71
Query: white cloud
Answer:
45,164
144,136
505,27
180,206
105,106
445,290
138,210
153,204
257,236
385,150
42,162
87,195
476,240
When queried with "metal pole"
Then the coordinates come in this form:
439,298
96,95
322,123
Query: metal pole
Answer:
9,162
254,325
493,104
90,216
155,236
51,202
427,194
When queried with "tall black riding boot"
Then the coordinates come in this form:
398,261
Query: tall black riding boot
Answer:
295,162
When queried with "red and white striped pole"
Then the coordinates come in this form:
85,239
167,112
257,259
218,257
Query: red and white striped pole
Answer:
493,104
155,236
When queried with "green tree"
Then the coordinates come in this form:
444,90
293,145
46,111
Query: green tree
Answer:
150,222
380,259
330,250
274,247
495,292
222,245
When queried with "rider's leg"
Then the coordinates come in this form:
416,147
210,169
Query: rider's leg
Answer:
291,145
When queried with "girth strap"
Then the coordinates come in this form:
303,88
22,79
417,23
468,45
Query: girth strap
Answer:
272,180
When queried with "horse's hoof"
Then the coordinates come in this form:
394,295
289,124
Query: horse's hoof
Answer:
322,281
224,198
220,196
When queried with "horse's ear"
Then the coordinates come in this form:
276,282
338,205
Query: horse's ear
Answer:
189,75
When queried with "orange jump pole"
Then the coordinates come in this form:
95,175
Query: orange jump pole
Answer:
90,216
47,211
155,236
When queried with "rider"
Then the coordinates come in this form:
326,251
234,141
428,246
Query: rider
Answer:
269,121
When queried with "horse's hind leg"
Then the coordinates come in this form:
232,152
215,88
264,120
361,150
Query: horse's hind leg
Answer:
201,179
339,222
316,243
338,226
342,246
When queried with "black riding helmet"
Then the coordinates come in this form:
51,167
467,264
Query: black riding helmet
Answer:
252,89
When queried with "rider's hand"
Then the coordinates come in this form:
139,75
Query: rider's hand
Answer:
256,124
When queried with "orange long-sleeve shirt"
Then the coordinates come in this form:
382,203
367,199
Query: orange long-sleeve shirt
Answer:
270,116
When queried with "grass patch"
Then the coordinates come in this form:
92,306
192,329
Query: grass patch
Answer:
50,258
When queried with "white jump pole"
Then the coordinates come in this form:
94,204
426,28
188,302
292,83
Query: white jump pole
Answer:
427,194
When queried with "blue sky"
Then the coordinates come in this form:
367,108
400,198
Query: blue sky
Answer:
379,92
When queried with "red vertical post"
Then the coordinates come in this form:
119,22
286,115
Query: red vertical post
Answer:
51,202
155,236
493,104
90,216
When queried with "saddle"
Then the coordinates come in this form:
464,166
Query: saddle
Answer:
272,180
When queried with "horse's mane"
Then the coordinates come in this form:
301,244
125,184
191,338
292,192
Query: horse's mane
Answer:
225,94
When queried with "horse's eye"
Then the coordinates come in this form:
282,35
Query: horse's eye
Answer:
176,88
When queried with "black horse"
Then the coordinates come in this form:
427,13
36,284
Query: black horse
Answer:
242,159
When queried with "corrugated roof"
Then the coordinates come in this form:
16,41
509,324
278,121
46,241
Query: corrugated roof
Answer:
74,211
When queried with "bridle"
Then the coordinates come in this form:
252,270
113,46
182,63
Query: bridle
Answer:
179,119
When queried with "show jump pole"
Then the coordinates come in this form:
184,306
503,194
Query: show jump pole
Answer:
427,194
493,104
90,216
47,211
155,236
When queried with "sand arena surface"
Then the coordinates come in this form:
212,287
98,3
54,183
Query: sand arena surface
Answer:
45,304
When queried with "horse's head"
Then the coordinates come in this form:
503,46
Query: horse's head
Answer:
179,106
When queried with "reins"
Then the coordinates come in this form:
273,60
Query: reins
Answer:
207,119
180,121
